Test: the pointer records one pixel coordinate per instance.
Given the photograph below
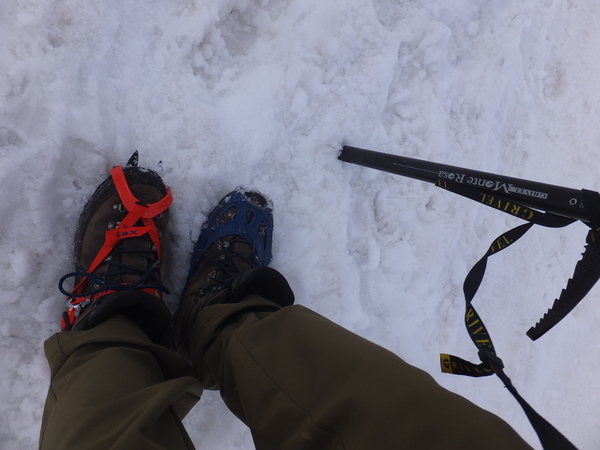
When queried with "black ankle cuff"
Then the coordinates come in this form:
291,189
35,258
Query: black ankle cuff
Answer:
264,281
146,310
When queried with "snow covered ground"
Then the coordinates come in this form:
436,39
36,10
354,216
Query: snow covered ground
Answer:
264,93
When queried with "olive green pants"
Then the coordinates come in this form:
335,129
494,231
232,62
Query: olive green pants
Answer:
298,380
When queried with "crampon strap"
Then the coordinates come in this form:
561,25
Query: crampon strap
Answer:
491,363
127,228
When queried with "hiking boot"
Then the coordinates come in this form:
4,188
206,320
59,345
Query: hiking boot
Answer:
230,260
119,245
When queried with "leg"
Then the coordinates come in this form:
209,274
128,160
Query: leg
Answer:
299,381
112,384
296,379
112,387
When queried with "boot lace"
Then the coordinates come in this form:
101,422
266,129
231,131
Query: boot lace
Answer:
229,261
110,281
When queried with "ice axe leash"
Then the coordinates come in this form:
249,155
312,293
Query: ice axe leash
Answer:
535,203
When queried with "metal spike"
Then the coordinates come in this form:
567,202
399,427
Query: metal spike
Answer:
133,161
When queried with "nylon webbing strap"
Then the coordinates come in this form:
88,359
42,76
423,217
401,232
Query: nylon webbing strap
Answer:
550,438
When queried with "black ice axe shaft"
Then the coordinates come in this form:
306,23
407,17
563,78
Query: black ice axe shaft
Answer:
558,200
560,205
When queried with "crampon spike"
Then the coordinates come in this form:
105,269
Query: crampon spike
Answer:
133,161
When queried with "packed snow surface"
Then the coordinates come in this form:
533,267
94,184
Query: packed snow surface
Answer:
264,93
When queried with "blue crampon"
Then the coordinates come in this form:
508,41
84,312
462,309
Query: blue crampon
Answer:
252,222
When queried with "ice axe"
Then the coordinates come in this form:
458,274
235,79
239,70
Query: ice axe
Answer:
536,203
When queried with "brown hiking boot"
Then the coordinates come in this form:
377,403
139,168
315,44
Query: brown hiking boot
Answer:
230,261
118,248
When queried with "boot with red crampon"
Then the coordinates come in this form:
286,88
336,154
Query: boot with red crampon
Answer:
119,246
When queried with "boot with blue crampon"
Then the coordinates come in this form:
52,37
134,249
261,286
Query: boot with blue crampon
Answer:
230,261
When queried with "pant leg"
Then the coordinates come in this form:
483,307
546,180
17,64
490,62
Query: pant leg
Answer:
112,388
299,381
